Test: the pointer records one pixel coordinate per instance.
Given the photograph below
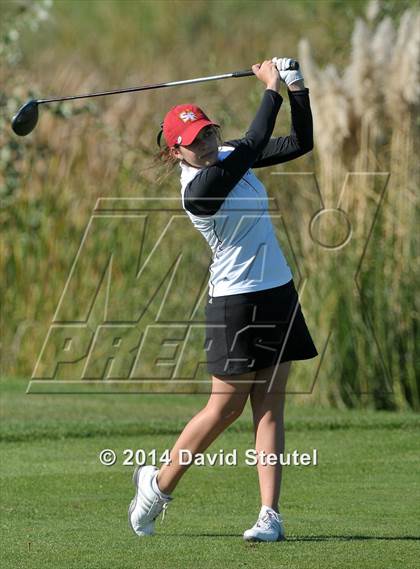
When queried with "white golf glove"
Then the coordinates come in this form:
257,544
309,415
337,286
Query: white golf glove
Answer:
289,76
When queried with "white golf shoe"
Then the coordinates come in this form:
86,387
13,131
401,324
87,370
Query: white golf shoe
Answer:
147,504
269,527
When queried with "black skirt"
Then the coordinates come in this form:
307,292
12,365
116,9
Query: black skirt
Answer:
254,330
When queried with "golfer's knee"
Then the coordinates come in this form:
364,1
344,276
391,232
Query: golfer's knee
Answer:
226,414
226,417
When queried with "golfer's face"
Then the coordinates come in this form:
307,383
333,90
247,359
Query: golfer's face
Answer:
203,151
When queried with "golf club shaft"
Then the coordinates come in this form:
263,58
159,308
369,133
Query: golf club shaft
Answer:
245,73
25,120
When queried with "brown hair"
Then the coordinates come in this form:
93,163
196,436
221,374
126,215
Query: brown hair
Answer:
164,154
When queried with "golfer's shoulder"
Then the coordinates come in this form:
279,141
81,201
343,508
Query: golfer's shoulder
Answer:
230,145
225,150
188,173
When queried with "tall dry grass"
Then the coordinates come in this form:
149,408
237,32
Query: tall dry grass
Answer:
366,122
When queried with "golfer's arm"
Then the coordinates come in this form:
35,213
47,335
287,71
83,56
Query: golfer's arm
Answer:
300,139
207,191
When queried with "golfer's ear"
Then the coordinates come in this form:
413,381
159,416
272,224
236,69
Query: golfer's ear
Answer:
174,152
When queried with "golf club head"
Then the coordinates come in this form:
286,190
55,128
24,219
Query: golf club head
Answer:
26,118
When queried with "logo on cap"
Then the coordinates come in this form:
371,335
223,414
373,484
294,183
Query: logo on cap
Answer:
186,116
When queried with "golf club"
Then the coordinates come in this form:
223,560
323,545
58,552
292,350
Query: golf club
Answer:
26,118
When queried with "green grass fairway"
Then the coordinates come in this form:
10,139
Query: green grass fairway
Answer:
62,508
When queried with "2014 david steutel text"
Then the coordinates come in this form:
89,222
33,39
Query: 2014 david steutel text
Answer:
249,457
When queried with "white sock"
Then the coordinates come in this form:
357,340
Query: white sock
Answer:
265,509
157,489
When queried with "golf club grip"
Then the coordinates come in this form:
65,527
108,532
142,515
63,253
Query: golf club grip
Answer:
294,66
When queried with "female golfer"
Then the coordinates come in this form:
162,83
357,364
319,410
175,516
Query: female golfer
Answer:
254,324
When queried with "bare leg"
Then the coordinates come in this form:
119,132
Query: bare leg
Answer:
226,403
268,414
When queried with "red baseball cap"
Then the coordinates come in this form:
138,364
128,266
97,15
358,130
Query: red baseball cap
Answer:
182,124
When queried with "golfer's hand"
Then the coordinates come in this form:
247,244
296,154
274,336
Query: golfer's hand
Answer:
289,76
268,74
